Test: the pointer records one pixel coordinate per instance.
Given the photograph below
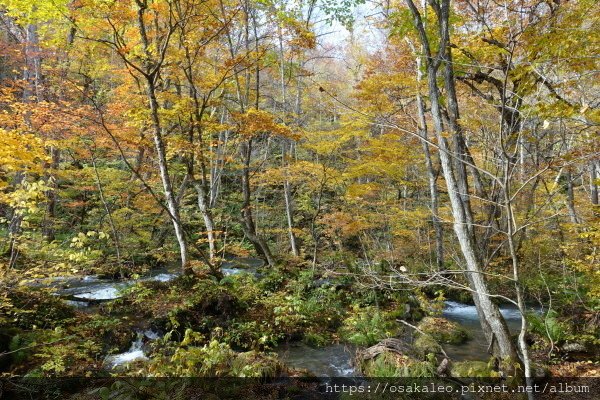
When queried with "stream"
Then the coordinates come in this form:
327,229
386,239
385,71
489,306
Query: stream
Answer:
81,291
336,360
328,361
475,349
333,360
135,352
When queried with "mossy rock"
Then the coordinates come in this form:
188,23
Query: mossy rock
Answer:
540,371
392,364
473,369
252,364
425,344
443,331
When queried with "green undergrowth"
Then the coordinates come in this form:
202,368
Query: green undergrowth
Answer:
390,364
209,326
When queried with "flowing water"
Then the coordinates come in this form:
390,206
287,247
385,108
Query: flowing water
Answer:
331,361
239,265
80,291
475,349
135,352
336,360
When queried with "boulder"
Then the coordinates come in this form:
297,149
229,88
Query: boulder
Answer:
425,344
443,330
574,348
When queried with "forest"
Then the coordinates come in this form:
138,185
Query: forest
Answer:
300,188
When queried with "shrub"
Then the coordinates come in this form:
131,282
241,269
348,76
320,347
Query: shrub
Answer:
252,335
368,326
389,364
548,326
473,369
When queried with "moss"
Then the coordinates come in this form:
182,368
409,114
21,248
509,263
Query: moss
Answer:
473,369
540,370
252,364
461,296
443,331
425,344
391,364
195,357
314,339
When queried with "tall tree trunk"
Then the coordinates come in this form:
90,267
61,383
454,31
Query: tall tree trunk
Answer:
571,198
495,327
289,210
247,218
32,91
161,153
458,140
14,227
113,228
206,197
510,235
286,184
150,79
431,174
243,95
248,225
593,183
493,324
205,210
48,229
217,166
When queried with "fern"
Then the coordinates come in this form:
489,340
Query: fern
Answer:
548,325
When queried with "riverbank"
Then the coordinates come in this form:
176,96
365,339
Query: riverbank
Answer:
252,322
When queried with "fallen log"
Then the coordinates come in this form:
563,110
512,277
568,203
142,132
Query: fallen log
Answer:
390,345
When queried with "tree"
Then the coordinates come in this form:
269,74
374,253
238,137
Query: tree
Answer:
452,160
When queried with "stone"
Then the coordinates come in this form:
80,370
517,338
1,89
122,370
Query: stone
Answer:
443,330
574,348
